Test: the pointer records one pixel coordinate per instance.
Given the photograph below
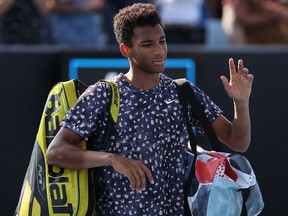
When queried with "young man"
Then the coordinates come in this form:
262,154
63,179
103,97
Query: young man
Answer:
142,171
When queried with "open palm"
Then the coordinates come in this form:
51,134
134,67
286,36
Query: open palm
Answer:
240,84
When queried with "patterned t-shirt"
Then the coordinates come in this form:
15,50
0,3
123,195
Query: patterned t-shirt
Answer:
150,128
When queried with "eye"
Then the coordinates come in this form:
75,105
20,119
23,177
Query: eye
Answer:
146,44
162,41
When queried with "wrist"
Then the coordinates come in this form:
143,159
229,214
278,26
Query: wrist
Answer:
241,102
110,159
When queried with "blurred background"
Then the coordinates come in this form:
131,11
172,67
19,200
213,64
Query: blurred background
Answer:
43,42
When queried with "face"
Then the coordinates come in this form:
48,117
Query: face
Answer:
149,51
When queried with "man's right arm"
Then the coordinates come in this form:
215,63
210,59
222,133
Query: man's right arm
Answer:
63,152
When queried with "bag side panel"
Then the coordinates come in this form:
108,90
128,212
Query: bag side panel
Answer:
51,190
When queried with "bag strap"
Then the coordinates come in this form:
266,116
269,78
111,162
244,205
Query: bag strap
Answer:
113,111
79,86
187,95
114,100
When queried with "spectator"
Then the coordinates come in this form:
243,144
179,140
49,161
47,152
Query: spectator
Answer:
23,22
214,33
230,26
189,27
261,21
215,8
77,22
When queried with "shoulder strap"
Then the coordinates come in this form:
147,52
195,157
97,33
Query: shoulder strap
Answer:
112,108
187,95
114,100
80,87
113,111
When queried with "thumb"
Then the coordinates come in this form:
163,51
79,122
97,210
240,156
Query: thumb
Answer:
225,82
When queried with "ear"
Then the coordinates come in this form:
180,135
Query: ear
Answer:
124,50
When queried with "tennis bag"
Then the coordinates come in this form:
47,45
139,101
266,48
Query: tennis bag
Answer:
224,185
216,183
51,190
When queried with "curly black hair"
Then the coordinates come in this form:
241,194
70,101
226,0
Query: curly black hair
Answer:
136,15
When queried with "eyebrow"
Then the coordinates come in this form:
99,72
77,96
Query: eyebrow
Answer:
149,41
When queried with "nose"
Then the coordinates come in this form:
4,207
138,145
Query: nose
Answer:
159,50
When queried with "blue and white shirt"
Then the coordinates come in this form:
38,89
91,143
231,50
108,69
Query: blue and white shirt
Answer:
151,129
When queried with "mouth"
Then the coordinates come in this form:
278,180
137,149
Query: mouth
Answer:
159,62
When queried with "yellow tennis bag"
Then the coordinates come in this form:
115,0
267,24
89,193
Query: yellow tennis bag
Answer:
50,190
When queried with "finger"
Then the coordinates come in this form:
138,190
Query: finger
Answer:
240,66
250,77
132,180
148,174
143,172
232,66
225,82
245,72
139,180
142,183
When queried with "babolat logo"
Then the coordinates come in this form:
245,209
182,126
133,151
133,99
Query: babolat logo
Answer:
116,96
56,181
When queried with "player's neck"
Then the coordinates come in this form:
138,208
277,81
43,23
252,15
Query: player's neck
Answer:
143,81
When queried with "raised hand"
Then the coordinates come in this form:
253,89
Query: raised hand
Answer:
240,85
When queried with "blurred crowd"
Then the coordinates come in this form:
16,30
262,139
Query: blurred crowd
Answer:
89,22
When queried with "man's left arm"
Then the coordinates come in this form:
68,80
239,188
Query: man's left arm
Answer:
236,134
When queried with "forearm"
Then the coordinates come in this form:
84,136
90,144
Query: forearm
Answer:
90,5
251,20
5,5
248,18
278,9
73,157
65,8
241,127
43,6
236,135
